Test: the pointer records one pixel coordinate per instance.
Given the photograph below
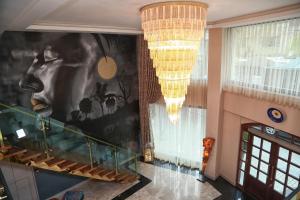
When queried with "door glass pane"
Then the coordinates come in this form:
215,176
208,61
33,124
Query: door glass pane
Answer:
241,179
291,182
288,191
256,141
281,165
278,187
262,177
255,152
253,172
243,156
263,167
283,153
244,146
295,171
254,162
280,176
266,145
245,136
243,165
295,158
265,156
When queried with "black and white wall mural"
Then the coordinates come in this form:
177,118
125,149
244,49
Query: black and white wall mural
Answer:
86,80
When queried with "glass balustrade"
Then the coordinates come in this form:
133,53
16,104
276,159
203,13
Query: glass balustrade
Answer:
25,129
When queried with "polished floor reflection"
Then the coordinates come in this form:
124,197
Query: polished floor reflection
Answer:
172,185
166,184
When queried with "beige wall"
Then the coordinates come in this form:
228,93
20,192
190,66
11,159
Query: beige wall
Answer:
238,110
214,100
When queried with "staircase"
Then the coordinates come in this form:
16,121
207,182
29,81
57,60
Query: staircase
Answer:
52,146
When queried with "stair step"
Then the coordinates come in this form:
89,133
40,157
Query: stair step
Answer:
85,169
66,164
96,170
28,156
104,172
121,177
54,161
14,152
42,158
111,174
77,167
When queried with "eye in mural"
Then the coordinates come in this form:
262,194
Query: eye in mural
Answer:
86,80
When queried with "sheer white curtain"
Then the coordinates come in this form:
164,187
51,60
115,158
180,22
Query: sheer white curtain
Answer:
180,143
263,61
197,90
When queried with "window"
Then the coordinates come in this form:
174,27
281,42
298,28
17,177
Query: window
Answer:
179,143
263,61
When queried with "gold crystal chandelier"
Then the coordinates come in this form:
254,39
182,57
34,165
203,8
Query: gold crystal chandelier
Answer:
174,31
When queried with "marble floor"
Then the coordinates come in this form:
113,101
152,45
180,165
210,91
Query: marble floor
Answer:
172,185
166,184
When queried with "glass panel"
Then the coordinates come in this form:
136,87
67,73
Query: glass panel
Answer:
241,179
244,146
291,182
266,145
280,176
288,191
245,136
295,158
281,165
256,141
243,165
283,153
255,152
25,129
294,171
254,162
262,177
278,187
243,156
284,136
265,156
297,141
253,172
263,167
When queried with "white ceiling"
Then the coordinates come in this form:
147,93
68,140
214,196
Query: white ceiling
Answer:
118,15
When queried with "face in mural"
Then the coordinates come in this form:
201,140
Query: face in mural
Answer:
74,51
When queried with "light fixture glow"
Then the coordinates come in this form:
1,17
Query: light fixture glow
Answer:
174,31
21,133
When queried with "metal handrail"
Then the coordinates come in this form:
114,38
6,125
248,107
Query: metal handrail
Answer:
72,130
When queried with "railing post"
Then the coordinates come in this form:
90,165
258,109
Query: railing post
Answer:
116,160
135,163
90,152
44,129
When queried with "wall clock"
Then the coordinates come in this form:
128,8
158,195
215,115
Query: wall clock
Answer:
275,115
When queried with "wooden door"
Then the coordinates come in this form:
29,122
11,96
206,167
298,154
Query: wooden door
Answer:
271,171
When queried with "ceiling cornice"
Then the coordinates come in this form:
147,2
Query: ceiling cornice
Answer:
266,15
82,28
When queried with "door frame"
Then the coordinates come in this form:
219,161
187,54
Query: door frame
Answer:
249,127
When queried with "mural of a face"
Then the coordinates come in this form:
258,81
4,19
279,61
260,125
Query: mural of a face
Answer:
86,80
70,51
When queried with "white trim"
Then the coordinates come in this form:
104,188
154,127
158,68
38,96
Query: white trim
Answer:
83,28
